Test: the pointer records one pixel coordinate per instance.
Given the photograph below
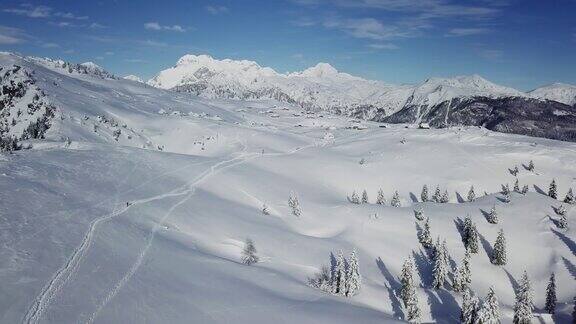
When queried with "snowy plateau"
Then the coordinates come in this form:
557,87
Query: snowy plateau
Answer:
218,191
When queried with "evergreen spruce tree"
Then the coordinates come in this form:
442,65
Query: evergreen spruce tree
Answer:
524,306
553,190
265,210
506,197
524,189
489,312
516,185
354,198
457,284
515,171
570,197
424,194
294,204
470,235
437,195
505,189
395,200
445,198
440,270
551,295
465,273
499,251
563,222
353,278
469,308
419,213
364,197
249,253
380,200
531,166
425,238
471,194
574,311
339,275
408,292
493,216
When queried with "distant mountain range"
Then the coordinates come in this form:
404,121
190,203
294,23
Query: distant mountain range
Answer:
549,111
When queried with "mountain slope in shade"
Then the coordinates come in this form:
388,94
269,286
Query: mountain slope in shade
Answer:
561,92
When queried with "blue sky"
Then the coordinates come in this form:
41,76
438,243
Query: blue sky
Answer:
523,44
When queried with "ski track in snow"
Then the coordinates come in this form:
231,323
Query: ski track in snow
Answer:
62,276
212,171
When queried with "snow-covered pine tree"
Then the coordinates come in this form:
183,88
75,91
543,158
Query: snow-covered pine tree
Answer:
437,195
470,235
440,270
408,292
465,273
563,222
506,197
524,306
524,189
419,213
515,171
424,236
249,253
354,198
569,199
516,185
395,200
574,311
445,197
553,190
380,200
457,283
265,210
505,189
531,165
294,204
353,278
339,275
407,280
471,194
499,251
560,210
551,295
489,312
364,197
493,215
469,308
424,194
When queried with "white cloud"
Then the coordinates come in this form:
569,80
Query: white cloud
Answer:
31,11
109,53
152,43
490,54
50,45
96,25
367,28
11,35
156,26
216,10
458,32
383,46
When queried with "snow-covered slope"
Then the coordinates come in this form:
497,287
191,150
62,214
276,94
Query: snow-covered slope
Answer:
133,78
96,229
564,93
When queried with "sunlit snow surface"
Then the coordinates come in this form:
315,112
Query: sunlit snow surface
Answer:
73,250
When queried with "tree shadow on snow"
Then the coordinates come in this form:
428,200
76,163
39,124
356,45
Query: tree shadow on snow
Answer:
513,281
424,267
392,286
569,243
554,221
443,306
540,191
570,267
485,214
459,198
459,223
486,245
413,197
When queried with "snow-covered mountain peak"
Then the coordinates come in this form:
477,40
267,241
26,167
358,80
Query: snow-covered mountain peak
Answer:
561,92
319,70
133,77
